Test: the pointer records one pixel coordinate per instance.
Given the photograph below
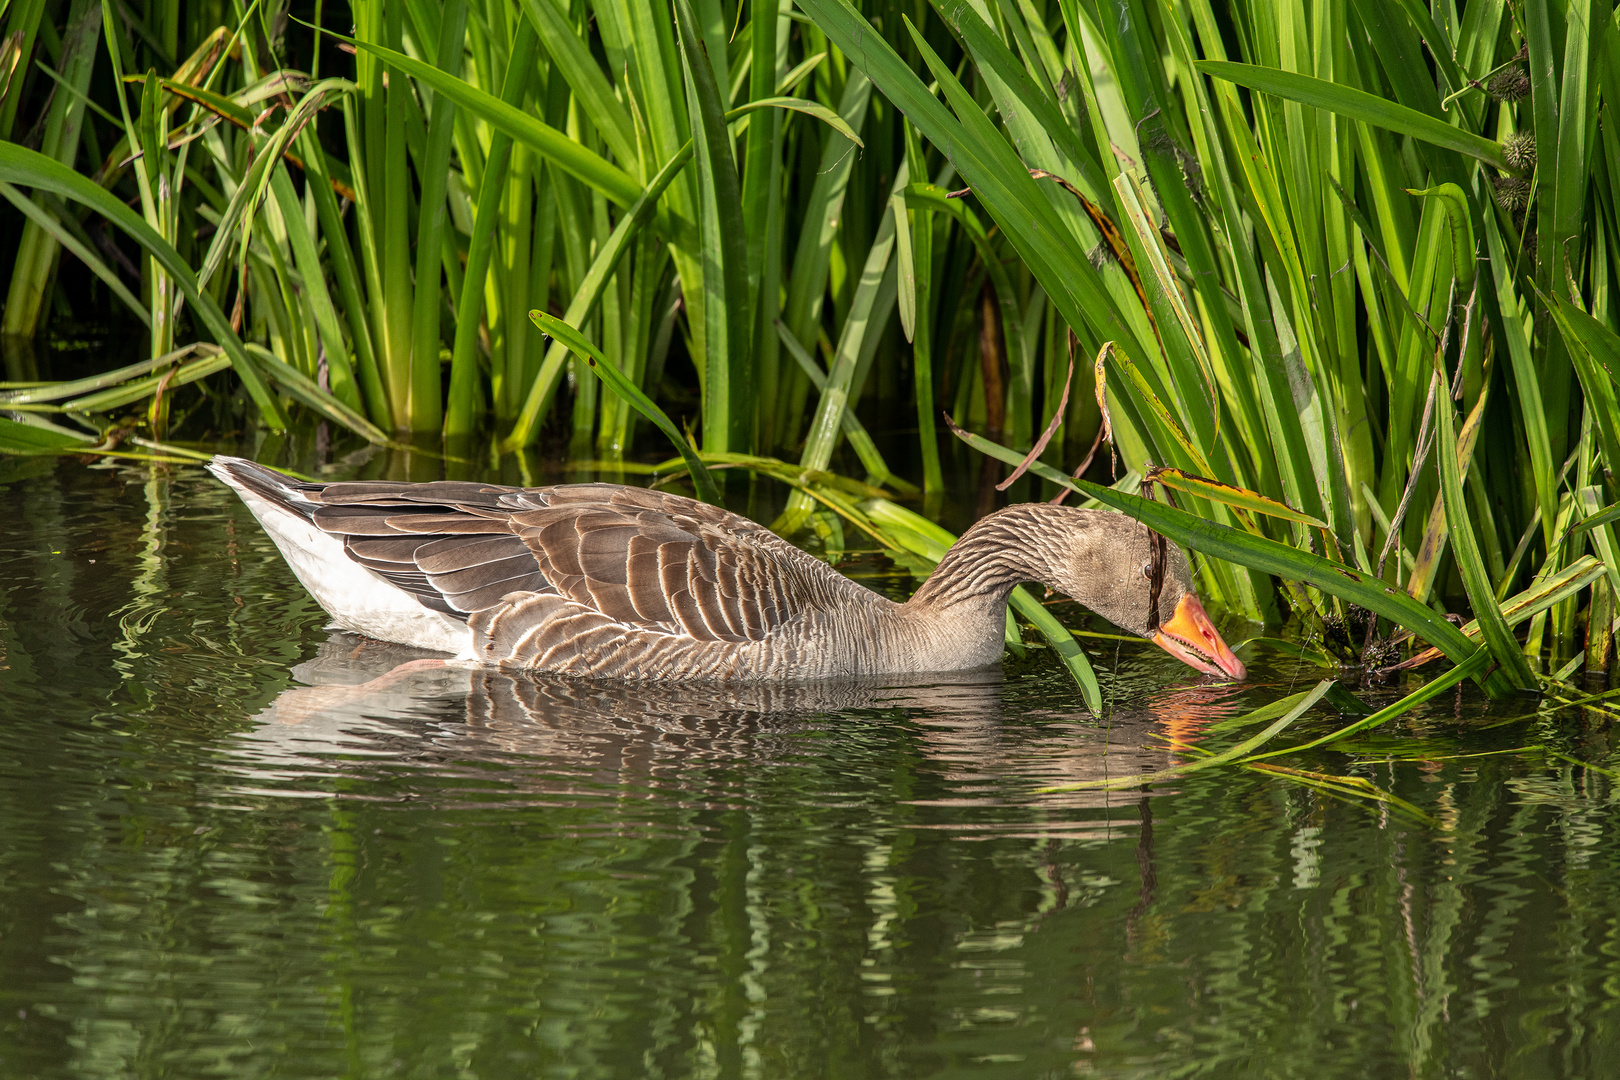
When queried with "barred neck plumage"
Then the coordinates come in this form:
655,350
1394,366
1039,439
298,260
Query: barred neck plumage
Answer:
1000,551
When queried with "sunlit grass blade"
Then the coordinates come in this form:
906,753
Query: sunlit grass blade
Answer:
874,299
1359,105
1470,667
308,391
460,409
573,60
211,361
32,169
1504,647
728,406
1229,495
570,156
57,391
1525,605
807,280
630,392
1300,704
314,282
799,105
860,440
586,297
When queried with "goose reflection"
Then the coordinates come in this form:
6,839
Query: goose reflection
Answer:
368,705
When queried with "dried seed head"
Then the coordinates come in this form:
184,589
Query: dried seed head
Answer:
1512,193
1381,653
1520,150
1509,84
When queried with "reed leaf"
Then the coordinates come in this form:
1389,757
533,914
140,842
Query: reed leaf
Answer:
599,365
1359,105
29,168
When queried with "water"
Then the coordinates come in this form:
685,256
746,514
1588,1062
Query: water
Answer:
224,856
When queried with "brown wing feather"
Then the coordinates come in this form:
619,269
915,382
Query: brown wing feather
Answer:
640,559
660,562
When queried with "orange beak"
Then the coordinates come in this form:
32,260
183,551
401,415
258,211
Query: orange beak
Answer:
1190,637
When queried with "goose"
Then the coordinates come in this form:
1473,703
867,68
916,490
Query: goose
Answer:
623,582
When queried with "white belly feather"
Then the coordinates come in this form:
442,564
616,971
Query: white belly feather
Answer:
356,598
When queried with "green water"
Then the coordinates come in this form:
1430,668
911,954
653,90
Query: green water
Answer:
218,858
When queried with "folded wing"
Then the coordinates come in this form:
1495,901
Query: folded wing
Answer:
643,559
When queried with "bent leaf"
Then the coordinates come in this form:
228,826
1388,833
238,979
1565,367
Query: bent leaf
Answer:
809,108
1358,105
1602,517
1462,230
921,536
631,393
1302,703
20,165
1471,666
1270,557
1267,556
1229,495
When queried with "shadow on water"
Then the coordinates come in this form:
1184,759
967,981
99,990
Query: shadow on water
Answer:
236,844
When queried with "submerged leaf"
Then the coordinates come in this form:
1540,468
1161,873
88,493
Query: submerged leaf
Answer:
1300,704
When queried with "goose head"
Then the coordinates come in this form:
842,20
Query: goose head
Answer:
1098,558
1110,569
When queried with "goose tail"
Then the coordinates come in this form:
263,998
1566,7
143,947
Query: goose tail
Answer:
280,490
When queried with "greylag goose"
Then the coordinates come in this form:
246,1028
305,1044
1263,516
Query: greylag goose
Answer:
605,580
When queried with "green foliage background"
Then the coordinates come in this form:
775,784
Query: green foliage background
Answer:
1310,251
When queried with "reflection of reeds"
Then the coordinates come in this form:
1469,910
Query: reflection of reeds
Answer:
362,227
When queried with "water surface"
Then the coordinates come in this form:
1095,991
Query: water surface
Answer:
236,845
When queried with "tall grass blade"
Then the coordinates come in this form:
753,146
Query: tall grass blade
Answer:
586,297
727,371
572,157
32,169
1499,639
630,392
1359,105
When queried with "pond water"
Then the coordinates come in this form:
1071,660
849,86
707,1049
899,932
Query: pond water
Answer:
221,855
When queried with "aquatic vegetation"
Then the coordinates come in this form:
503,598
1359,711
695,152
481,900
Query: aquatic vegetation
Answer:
1316,252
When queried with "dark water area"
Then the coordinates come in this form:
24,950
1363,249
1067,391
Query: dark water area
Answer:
235,844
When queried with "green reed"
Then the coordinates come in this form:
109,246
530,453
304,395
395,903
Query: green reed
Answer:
1343,271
